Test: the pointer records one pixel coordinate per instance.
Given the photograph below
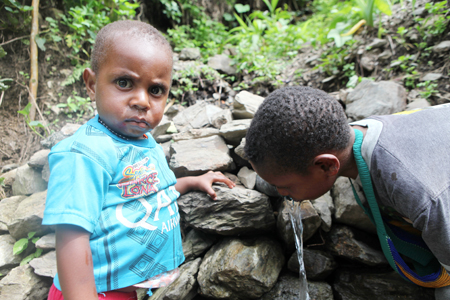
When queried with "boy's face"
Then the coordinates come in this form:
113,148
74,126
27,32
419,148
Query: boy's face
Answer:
298,186
132,85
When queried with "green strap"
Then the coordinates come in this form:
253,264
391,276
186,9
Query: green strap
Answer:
374,212
420,255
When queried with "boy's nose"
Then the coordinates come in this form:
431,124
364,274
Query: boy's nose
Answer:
141,100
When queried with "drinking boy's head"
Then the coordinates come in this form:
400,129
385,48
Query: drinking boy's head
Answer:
130,77
298,141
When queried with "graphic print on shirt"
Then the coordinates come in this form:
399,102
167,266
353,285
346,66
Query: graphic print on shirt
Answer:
140,180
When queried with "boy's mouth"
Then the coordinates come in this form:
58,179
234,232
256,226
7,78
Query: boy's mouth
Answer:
139,122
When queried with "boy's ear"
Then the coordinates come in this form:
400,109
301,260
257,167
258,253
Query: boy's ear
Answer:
89,81
328,163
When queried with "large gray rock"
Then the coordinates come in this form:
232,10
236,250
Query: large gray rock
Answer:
8,207
68,130
240,268
221,117
28,217
247,177
164,127
347,210
45,265
39,159
195,116
353,245
236,211
195,157
310,221
371,285
46,242
222,63
9,178
195,134
375,98
240,151
22,284
265,187
196,243
245,105
7,259
318,264
190,54
233,132
28,181
325,208
184,287
288,288
442,47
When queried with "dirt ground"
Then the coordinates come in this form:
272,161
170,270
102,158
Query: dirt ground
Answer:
17,141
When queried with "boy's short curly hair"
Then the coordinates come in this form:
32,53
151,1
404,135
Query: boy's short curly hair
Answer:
105,38
293,125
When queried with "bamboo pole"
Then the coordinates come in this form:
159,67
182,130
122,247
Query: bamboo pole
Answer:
34,59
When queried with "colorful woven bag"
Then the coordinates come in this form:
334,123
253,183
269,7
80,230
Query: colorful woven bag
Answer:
395,241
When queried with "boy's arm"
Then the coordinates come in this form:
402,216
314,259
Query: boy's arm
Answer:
202,183
74,263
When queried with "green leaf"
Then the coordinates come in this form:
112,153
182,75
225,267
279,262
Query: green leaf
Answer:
38,252
31,234
27,259
2,52
26,110
40,43
34,240
384,6
20,246
240,8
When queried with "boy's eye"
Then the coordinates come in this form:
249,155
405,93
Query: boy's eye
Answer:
156,90
123,83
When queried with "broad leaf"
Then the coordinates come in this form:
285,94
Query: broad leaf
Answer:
20,246
40,42
384,6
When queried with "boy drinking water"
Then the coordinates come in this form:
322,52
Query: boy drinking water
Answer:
111,193
300,142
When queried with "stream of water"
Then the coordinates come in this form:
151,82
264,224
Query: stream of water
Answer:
296,222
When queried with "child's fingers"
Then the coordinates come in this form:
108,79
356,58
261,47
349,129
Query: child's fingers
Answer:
211,193
219,177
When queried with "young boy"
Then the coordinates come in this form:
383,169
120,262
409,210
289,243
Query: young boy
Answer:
300,142
111,193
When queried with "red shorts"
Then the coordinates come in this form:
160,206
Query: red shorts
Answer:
55,294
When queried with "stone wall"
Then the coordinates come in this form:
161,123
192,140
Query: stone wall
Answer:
240,246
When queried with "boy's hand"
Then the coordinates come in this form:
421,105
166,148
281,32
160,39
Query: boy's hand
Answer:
205,182
202,183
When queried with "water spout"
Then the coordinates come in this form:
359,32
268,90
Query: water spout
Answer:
296,222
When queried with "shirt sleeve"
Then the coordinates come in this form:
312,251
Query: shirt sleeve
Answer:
76,190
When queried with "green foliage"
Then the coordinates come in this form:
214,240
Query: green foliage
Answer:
368,9
335,61
15,15
435,24
33,125
190,80
77,106
430,89
407,65
4,83
23,244
206,34
2,186
265,35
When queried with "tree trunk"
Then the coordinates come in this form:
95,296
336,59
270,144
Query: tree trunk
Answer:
34,59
